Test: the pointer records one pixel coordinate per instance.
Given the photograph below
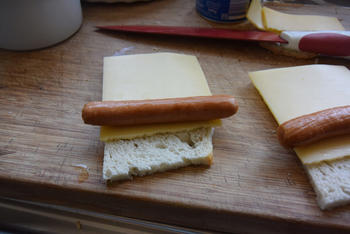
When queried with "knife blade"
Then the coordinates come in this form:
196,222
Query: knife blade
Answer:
331,43
198,32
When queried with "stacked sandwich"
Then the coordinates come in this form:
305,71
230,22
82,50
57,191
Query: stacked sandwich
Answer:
157,114
312,107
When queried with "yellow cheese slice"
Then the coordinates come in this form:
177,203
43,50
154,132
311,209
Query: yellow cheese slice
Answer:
296,91
254,14
129,132
267,19
277,22
329,149
152,76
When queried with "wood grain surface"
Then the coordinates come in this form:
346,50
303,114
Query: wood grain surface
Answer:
47,154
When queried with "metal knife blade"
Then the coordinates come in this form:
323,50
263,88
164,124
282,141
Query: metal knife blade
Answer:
198,32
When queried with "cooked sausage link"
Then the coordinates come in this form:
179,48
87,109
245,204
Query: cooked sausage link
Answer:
314,127
170,110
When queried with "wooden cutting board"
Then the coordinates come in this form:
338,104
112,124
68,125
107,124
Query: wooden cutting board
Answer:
47,154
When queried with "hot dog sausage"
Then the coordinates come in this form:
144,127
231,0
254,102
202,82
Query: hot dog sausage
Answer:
134,112
314,127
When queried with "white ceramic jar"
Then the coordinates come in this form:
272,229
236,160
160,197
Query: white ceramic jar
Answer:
35,24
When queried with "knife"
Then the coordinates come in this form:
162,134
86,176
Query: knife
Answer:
331,43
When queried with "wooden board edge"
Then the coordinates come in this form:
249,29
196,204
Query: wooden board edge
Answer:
156,211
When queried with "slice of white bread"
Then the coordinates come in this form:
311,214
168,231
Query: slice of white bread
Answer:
164,151
331,183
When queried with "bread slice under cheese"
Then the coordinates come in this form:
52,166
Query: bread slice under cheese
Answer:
163,151
330,180
144,150
296,91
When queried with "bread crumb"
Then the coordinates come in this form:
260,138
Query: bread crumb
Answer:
78,225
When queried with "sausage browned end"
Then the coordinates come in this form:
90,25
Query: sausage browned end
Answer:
314,127
170,110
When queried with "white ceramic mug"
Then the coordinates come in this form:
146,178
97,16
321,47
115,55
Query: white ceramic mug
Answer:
35,24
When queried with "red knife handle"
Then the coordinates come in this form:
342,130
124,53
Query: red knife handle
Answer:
332,43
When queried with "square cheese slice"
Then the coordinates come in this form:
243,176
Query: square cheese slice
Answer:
277,22
268,19
254,14
152,76
296,91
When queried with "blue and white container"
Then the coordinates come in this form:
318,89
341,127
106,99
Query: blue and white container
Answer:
223,10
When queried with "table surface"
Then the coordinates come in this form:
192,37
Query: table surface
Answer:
253,184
